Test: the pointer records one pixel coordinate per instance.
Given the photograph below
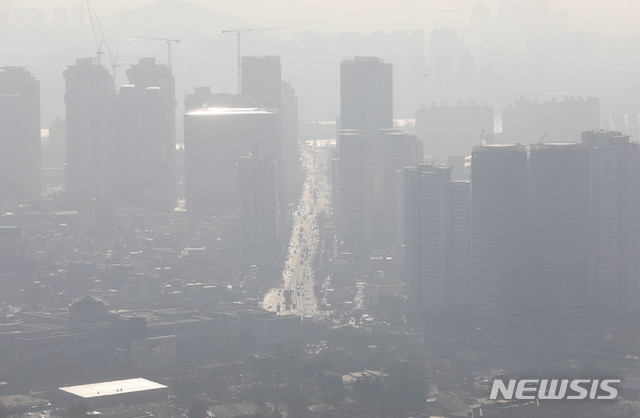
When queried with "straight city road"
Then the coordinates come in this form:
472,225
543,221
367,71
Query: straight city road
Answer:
298,276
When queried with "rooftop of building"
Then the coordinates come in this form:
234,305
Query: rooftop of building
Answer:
88,300
557,144
213,111
115,387
499,147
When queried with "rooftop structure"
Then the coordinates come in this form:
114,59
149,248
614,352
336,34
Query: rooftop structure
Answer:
113,388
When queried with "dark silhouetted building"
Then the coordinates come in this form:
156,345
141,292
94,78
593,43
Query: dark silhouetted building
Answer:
559,205
615,220
262,80
461,244
19,135
500,234
356,190
89,90
427,239
257,200
437,234
397,151
142,158
214,139
530,122
366,94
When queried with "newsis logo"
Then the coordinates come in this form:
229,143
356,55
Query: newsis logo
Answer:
554,389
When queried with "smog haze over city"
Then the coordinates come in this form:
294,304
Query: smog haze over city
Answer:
305,208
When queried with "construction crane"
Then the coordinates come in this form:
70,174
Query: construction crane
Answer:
114,60
238,32
543,136
167,41
99,50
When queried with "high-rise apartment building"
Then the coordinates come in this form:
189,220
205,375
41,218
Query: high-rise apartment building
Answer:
89,90
397,150
262,80
461,245
428,239
559,209
366,94
19,135
530,122
615,220
356,189
142,153
500,233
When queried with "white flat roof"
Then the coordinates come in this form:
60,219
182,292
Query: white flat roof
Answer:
115,387
233,111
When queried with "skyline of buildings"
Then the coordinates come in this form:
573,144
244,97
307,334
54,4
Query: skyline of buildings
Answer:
272,248
121,146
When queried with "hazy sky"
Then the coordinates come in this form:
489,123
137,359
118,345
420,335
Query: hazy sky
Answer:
616,16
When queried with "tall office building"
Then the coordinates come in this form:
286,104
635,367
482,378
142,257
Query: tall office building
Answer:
532,122
257,181
427,240
447,130
397,151
559,205
19,135
366,94
261,80
461,244
500,233
124,184
142,158
215,138
615,220
89,90
356,190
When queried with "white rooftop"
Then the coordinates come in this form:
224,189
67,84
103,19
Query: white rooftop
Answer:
232,111
115,387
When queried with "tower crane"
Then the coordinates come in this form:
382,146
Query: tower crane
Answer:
99,50
167,41
114,60
238,32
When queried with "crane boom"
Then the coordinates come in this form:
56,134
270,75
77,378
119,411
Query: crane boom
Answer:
99,50
238,32
114,61
167,41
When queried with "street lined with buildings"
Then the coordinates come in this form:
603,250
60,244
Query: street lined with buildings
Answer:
296,294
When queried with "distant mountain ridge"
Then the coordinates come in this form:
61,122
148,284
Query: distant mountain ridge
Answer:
166,17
